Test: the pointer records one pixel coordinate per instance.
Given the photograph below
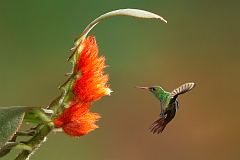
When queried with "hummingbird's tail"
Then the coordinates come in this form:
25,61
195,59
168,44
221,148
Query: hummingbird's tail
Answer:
158,126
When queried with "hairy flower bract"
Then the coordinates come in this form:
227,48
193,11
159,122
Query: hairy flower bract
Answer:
90,85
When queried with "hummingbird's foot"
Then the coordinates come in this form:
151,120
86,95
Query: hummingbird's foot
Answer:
162,115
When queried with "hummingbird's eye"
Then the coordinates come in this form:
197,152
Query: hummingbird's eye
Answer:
153,89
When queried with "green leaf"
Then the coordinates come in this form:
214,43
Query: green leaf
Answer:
137,13
10,121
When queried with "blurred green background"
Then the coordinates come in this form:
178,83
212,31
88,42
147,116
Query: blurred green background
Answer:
200,43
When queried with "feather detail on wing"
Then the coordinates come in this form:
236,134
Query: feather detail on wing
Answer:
182,89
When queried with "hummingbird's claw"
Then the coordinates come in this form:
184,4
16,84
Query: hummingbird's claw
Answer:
162,114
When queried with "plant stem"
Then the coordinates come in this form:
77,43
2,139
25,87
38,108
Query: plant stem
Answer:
28,133
36,141
23,146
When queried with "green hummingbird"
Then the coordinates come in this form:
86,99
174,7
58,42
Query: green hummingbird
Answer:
168,103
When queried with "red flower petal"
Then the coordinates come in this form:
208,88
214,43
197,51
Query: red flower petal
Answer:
88,53
72,113
90,86
82,126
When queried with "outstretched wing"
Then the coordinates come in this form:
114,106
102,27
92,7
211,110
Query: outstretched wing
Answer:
180,90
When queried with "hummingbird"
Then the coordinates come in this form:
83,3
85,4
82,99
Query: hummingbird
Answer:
168,103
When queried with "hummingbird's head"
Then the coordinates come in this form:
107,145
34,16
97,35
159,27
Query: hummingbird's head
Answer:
155,90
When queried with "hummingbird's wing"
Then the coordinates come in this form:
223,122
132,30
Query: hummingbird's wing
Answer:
180,90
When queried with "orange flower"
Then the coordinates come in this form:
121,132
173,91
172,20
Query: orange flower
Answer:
90,85
83,125
77,120
72,113
88,53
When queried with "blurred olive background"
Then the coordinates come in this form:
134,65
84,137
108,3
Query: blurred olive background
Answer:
200,43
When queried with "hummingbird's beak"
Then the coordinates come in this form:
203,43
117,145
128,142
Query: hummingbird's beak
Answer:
142,87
